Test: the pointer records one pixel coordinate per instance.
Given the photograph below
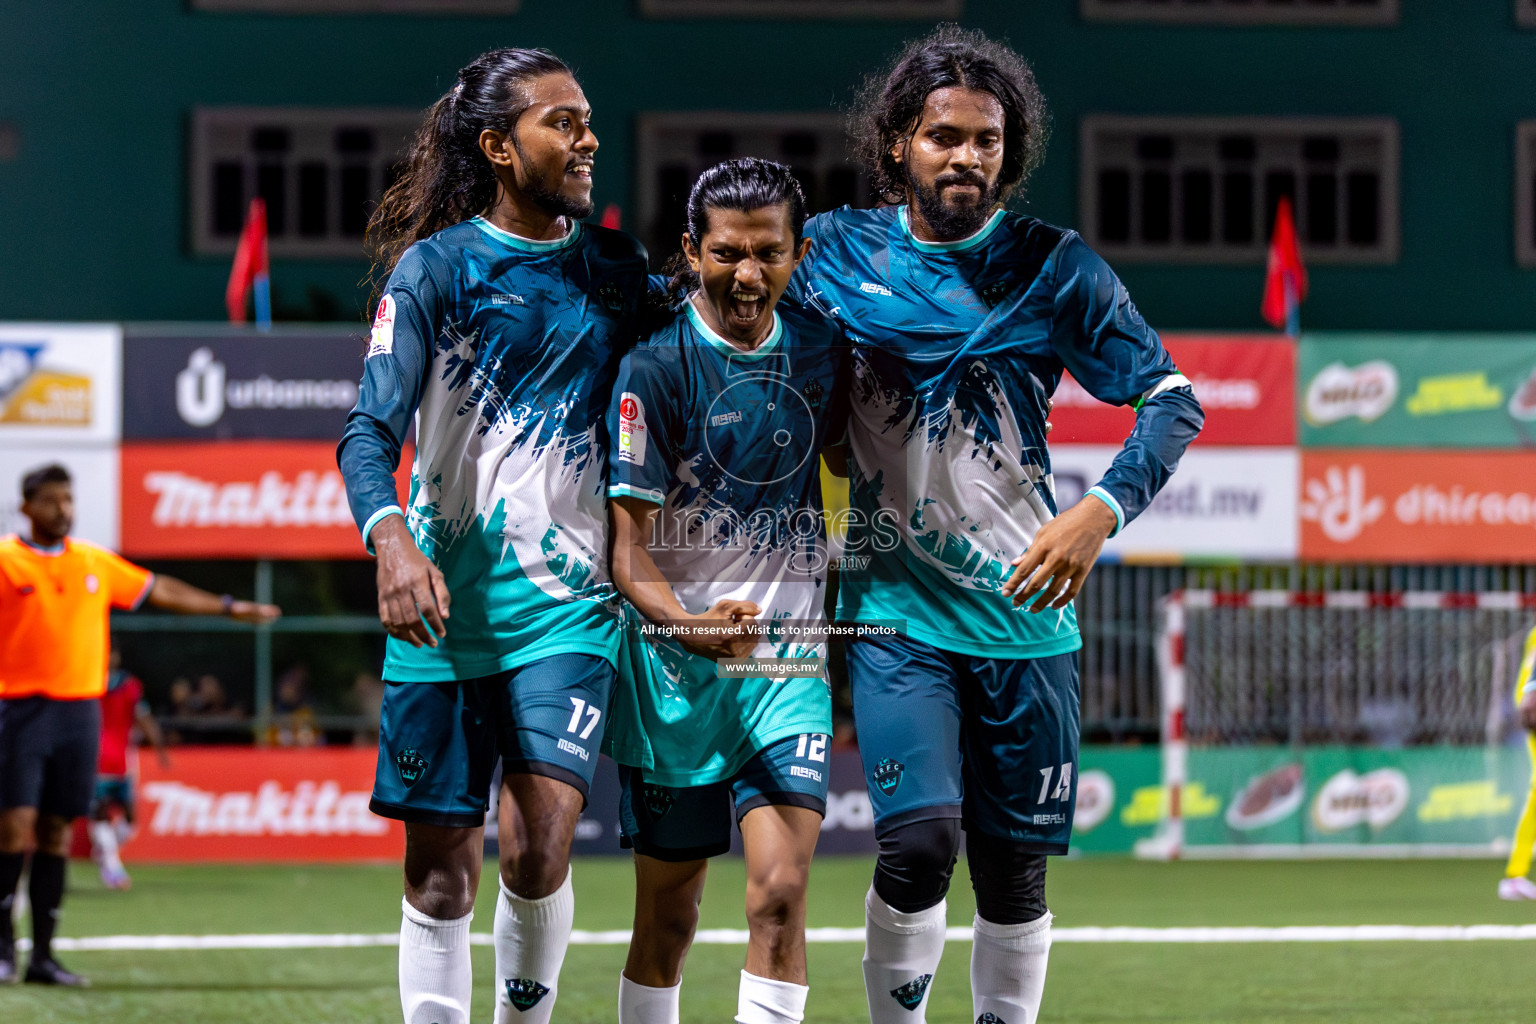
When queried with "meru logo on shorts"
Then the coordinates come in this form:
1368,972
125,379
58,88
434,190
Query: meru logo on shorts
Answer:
525,993
611,295
990,1018
411,764
910,995
658,801
888,775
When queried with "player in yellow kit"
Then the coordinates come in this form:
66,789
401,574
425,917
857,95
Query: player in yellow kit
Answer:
1515,885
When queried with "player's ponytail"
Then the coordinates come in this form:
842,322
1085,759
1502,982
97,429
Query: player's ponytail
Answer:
745,185
447,179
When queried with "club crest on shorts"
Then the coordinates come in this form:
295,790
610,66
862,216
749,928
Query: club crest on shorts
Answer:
525,993
910,995
658,801
990,1018
611,295
888,775
411,765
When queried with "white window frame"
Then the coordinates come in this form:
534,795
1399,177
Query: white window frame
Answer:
1386,251
203,242
872,9
1525,202
1219,12
461,7
648,159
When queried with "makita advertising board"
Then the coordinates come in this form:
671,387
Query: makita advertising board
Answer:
223,385
238,499
228,804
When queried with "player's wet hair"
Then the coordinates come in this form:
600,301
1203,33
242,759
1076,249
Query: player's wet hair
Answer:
447,178
41,477
745,184
890,104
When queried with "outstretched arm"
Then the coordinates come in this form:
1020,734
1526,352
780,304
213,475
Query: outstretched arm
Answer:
173,595
151,730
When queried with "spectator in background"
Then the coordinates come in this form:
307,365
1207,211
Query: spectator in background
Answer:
368,704
56,594
112,812
293,719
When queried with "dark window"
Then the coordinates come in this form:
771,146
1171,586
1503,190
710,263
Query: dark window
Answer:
1198,199
352,200
1237,208
228,198
1156,207
1322,209
1362,198
272,186
313,179
1277,184
1115,206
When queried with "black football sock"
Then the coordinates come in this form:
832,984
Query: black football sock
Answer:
47,893
10,875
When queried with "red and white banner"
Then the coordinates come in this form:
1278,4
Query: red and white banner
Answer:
1246,384
237,499
238,804
1363,505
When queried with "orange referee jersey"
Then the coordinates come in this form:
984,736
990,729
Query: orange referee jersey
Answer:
54,616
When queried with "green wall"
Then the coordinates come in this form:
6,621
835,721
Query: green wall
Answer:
93,214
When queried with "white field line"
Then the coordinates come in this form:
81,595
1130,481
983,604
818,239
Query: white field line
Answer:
738,937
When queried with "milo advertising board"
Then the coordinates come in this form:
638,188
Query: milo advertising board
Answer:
1417,391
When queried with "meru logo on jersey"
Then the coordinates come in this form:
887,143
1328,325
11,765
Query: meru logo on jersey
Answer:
990,1018
888,775
995,292
910,995
611,295
411,765
658,801
525,993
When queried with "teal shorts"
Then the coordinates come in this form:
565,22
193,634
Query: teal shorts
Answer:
438,742
682,823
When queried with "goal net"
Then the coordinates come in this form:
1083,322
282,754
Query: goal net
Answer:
1344,723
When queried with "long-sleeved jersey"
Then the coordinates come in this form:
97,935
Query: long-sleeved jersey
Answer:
728,443
504,351
957,347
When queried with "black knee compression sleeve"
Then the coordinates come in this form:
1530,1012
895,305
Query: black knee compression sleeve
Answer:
1009,881
916,862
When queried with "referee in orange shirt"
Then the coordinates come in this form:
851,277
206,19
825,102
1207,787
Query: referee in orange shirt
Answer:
55,597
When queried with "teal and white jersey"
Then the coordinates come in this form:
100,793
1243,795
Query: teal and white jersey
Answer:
502,351
957,348
727,442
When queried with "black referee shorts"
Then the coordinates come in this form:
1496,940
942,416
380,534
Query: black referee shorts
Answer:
48,754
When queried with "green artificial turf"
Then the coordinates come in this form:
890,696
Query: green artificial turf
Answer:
1326,983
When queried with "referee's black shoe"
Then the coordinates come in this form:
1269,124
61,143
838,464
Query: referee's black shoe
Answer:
48,972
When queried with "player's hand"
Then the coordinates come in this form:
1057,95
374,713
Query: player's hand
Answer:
255,614
1528,711
722,632
413,596
1058,560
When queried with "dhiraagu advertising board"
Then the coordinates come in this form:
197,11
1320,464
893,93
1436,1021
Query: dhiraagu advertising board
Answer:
1417,390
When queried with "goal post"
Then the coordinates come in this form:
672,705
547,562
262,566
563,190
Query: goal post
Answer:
1338,723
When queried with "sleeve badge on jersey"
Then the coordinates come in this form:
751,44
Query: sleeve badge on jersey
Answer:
631,429
382,341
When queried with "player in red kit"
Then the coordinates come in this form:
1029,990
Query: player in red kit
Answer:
112,810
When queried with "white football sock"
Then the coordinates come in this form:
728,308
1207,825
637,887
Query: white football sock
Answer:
104,845
1008,970
435,982
530,937
901,954
765,1001
642,1004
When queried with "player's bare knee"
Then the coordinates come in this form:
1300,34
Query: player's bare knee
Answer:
444,893
54,835
776,895
916,863
538,869
18,826
1009,879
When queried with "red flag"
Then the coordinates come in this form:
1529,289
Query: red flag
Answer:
1285,282
613,217
250,269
